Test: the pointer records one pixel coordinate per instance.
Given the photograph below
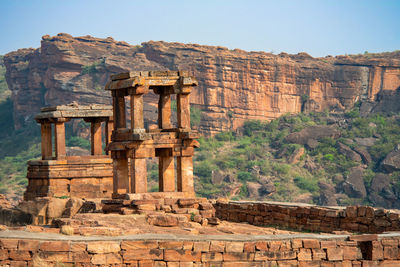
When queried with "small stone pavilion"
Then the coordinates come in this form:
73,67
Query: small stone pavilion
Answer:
131,146
59,175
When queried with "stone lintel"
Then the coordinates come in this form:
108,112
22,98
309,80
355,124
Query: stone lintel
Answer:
87,113
175,79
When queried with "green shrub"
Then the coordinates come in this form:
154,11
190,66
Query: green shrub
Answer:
309,185
245,176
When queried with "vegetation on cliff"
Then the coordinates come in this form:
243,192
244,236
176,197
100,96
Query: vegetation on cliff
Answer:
261,162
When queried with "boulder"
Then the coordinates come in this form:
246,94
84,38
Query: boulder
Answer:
327,194
365,156
391,162
295,157
348,152
163,220
368,141
381,193
267,186
253,189
315,132
354,186
72,207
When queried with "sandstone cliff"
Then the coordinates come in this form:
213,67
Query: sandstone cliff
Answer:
234,85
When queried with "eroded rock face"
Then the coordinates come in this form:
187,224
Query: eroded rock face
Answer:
354,184
234,85
391,162
312,133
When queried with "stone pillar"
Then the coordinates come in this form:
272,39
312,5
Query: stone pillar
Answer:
119,111
164,111
95,137
109,127
184,168
138,175
183,111
59,139
47,146
166,171
137,120
120,173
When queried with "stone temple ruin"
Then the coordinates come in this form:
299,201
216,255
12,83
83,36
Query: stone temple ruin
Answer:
59,175
98,175
136,143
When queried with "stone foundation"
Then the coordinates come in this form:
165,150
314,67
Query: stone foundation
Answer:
83,177
34,249
299,216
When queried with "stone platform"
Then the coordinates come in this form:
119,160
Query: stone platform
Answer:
80,176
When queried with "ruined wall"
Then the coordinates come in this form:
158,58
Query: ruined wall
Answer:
361,219
234,85
186,251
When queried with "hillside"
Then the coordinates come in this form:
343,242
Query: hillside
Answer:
321,158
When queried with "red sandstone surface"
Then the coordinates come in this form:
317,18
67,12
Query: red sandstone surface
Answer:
234,85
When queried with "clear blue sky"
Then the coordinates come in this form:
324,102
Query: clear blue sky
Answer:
318,27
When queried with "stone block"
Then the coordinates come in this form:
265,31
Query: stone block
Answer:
103,247
211,256
160,264
274,255
377,250
217,246
30,245
238,256
201,246
261,245
249,247
19,255
106,259
81,256
390,253
370,263
234,246
274,245
311,243
297,243
54,246
334,254
304,254
181,255
132,245
187,245
55,256
3,254
318,254
309,264
170,244
390,242
18,264
9,243
350,253
142,254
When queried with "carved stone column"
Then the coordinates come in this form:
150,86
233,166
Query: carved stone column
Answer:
183,111
164,111
166,167
47,146
120,173
185,174
95,137
59,139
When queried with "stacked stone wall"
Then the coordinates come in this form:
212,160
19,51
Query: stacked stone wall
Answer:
360,219
300,250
